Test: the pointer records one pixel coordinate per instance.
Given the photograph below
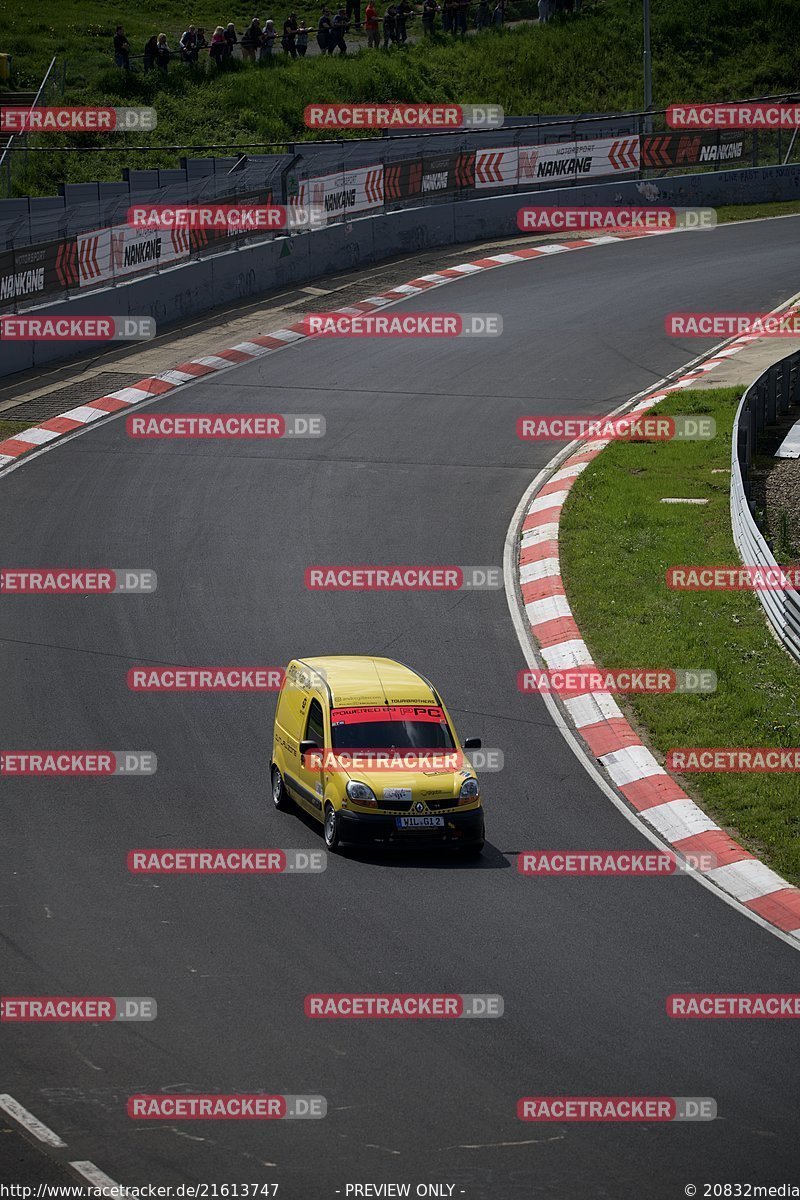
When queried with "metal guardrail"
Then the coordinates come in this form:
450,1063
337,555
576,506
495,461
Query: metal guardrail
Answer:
773,394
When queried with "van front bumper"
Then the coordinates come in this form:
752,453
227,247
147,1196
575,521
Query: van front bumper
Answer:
459,829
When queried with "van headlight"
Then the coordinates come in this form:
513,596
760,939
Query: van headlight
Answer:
469,791
361,794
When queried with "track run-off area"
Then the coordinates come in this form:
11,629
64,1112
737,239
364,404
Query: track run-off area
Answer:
420,464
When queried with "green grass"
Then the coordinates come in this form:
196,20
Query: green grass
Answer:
747,212
9,428
715,50
617,541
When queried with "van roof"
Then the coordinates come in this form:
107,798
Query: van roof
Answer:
359,680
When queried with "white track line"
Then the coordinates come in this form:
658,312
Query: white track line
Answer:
97,1178
15,1110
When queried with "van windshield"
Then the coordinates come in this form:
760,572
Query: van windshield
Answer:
402,729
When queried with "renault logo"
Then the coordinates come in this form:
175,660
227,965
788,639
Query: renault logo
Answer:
419,806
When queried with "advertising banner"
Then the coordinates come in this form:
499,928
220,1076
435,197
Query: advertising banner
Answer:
514,166
431,175
121,250
693,149
31,273
358,190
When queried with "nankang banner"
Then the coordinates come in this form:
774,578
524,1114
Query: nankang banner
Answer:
107,254
694,149
345,191
514,166
29,273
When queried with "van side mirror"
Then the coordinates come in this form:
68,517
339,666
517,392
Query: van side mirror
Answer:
472,743
306,747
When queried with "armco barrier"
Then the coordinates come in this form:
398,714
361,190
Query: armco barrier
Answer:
773,394
187,289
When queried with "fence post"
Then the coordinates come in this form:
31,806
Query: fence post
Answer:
772,393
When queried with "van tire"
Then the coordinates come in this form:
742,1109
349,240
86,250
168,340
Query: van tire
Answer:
330,828
280,797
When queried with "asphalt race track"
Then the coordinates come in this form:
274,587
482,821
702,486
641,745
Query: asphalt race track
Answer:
420,465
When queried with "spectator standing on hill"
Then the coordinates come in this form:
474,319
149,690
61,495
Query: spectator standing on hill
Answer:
545,11
340,28
499,16
202,41
217,50
325,32
268,39
230,39
163,53
251,40
483,17
372,26
289,39
448,16
149,55
122,49
389,26
404,13
429,11
188,45
354,10
302,39
462,16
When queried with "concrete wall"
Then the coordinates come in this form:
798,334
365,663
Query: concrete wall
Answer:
178,293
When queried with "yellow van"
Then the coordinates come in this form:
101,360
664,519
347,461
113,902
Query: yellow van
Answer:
367,747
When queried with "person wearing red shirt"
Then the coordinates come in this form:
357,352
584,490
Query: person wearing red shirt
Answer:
372,26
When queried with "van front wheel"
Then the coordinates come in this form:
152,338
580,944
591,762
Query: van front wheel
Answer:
280,797
331,828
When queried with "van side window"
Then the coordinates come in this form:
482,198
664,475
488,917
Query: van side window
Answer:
315,731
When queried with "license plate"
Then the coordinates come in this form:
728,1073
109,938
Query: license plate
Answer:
420,822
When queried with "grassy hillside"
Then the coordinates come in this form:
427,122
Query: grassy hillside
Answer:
717,49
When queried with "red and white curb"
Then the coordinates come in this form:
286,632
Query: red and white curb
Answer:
151,387
652,794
